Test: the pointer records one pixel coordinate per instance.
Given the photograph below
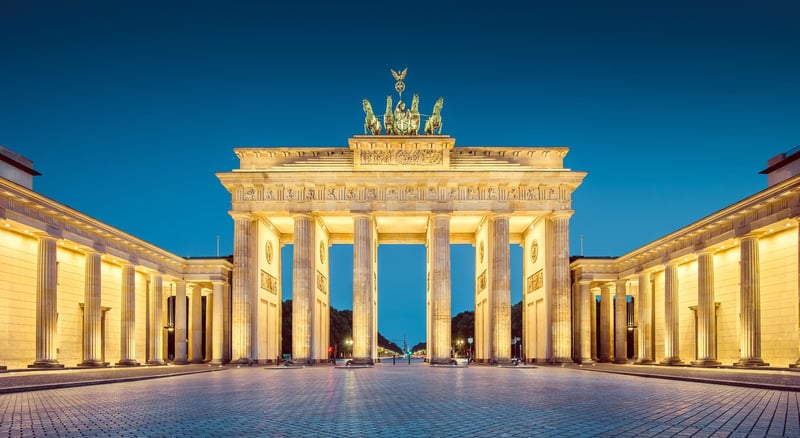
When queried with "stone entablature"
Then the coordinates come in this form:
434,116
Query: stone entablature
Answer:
40,215
390,152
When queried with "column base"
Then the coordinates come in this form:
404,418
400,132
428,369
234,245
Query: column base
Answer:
3,368
706,363
585,361
795,366
621,361
93,364
672,361
241,361
560,360
156,362
217,362
604,360
644,362
127,363
750,363
197,361
46,364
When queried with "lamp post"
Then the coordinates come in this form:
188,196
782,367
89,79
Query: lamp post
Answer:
460,344
349,343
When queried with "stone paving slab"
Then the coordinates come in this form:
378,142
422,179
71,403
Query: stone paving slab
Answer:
399,400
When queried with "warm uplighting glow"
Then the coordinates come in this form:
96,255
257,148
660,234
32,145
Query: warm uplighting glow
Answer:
788,224
8,225
771,230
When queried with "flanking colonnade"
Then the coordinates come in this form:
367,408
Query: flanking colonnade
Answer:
77,292
721,291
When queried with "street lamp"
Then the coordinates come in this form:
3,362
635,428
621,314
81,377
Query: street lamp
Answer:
349,343
460,343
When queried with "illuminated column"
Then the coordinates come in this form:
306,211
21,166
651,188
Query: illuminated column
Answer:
92,313
562,331
208,330
46,305
621,323
218,336
180,323
156,320
303,288
606,324
127,353
671,315
585,315
594,292
500,288
645,299
226,322
196,334
750,304
706,312
241,316
362,289
796,364
439,226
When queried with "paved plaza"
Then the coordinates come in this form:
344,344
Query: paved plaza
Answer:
400,400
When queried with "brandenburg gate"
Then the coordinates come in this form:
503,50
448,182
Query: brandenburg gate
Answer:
400,187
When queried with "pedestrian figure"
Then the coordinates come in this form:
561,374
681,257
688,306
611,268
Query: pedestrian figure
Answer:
394,358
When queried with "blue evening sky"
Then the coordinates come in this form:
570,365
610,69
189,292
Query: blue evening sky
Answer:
128,108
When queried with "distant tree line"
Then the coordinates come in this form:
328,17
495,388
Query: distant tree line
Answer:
462,327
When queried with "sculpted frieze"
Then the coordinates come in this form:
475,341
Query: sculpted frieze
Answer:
341,192
401,157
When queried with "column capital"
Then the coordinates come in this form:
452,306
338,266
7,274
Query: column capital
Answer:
750,235
302,214
241,215
584,282
706,251
219,283
501,215
561,214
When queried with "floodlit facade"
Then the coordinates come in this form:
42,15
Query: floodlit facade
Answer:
77,292
721,291
401,189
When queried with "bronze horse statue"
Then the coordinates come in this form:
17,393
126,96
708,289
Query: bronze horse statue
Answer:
388,119
414,117
434,122
371,122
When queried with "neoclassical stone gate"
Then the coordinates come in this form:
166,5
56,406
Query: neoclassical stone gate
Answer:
401,190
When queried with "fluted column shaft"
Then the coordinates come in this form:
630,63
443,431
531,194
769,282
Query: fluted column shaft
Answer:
645,299
127,354
218,337
362,289
621,323
706,312
241,311
606,324
671,315
500,285
303,288
180,322
440,289
562,330
750,304
197,324
156,320
46,304
92,312
585,313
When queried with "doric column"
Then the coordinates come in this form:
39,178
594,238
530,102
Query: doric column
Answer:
92,313
621,323
196,337
562,331
127,353
796,364
440,289
585,314
706,312
46,305
671,315
750,304
226,322
362,289
241,317
218,337
500,288
606,324
645,299
156,320
302,288
180,323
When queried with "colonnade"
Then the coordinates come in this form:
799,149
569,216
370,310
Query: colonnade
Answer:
47,303
611,339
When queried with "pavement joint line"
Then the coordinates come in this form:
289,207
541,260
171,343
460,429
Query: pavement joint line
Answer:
57,385
696,379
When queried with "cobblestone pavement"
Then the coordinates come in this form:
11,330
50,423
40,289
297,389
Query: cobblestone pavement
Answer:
402,400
